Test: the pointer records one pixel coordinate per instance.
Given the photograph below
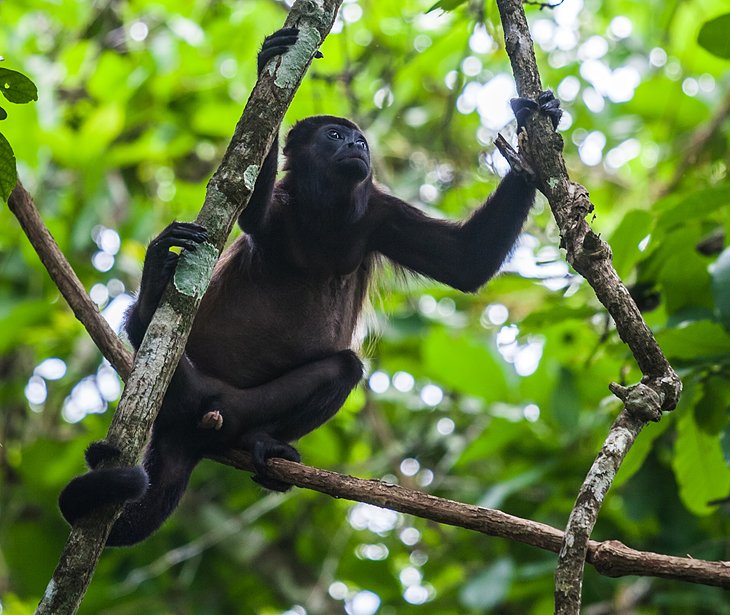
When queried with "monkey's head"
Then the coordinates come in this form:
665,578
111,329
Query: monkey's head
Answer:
332,146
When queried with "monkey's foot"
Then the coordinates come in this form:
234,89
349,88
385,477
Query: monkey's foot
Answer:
211,420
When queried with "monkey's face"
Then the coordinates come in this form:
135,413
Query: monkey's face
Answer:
344,150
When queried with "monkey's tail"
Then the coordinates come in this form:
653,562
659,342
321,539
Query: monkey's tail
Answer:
149,492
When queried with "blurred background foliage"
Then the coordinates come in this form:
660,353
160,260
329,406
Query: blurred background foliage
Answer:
499,398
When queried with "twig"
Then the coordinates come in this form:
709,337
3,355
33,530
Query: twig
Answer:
611,558
227,194
591,257
65,278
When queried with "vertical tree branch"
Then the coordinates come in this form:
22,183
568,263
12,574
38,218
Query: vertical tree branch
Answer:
591,257
228,192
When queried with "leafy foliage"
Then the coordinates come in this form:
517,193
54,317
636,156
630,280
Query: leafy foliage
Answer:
498,398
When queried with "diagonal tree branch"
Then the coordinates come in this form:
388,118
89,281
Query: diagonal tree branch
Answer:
228,192
65,278
591,257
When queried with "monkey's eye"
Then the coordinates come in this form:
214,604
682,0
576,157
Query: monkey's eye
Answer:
333,134
362,143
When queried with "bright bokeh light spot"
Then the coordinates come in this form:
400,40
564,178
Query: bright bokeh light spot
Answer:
383,98
528,358
445,426
690,86
567,13
228,68
657,57
471,66
109,241
102,261
569,88
138,31
375,553
591,150
480,40
410,466
115,311
623,153
410,536
410,576
403,382
36,391
425,478
422,42
593,100
51,369
621,27
594,48
431,395
363,603
531,412
187,30
415,594
84,399
379,382
428,193
338,590
427,305
707,83
351,12
99,294
108,383
368,517
496,313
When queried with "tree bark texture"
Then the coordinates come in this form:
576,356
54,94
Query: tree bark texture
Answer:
590,256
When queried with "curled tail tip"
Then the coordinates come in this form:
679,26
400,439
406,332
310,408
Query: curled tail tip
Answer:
91,491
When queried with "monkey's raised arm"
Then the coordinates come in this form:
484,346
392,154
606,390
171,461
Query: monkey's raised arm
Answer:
255,213
461,254
464,254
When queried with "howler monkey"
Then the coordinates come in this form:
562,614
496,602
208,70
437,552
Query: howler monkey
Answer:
268,359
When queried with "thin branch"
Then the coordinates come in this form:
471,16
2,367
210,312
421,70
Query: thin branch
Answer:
65,278
228,192
591,257
610,558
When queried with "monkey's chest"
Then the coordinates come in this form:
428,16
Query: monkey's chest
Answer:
265,327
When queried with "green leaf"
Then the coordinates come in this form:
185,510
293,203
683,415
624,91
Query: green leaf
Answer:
446,5
464,365
699,465
700,339
16,87
720,275
488,588
640,450
714,37
566,401
626,238
711,413
8,173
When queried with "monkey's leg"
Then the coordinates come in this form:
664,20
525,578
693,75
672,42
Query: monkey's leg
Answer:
267,417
